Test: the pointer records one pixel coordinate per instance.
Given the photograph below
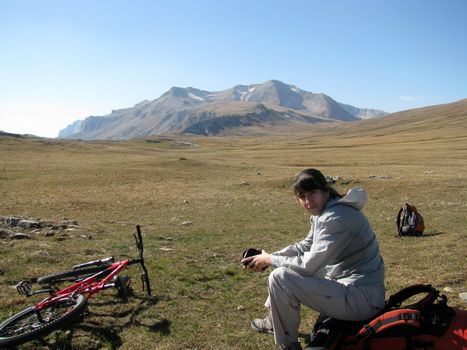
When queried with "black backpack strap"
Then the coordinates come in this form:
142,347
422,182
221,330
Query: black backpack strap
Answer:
397,299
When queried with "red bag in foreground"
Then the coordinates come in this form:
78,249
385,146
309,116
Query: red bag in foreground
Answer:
429,324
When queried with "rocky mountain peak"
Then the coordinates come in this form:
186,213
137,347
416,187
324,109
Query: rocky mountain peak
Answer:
197,111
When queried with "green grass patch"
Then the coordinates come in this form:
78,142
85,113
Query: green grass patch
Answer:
236,193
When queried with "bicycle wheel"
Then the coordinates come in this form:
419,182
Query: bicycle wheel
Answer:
27,325
71,275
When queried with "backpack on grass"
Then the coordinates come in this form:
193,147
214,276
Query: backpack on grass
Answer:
409,221
428,324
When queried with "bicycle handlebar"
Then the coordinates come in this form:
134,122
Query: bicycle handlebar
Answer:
144,272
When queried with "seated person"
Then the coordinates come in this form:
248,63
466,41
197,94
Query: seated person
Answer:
336,270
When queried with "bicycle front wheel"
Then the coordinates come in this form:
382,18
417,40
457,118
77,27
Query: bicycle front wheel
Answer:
71,275
28,324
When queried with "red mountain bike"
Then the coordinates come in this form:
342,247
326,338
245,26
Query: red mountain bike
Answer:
65,306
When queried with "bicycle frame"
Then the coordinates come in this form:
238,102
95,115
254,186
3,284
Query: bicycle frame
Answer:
89,286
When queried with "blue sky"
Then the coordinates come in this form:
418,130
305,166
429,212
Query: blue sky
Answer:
66,60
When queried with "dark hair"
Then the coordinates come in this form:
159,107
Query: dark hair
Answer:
313,179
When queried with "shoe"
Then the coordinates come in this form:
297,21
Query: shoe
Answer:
263,325
291,346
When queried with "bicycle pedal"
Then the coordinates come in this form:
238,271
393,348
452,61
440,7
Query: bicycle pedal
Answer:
24,287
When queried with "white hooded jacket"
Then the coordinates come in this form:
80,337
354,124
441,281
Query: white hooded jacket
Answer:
341,245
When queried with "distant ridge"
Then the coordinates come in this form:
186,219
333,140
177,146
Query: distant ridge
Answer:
445,120
450,116
7,134
195,111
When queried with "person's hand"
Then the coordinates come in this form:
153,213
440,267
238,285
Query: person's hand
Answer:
258,263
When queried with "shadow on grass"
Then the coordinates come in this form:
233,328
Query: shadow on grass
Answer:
429,234
426,234
95,332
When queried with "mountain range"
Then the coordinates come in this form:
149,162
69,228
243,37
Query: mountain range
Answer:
190,110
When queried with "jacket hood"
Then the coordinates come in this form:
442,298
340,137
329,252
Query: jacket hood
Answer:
355,197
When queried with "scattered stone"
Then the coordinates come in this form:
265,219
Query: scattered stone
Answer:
240,307
43,253
20,235
165,249
243,183
162,238
63,237
67,223
12,221
187,223
186,201
49,233
380,177
463,296
448,289
48,224
26,227
4,233
333,179
28,224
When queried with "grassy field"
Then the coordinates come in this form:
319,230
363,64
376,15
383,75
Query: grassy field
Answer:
236,192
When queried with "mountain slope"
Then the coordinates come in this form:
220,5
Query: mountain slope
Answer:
191,110
447,121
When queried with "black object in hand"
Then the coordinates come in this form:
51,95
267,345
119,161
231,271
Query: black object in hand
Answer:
250,252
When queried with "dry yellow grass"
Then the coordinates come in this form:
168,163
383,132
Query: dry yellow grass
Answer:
236,191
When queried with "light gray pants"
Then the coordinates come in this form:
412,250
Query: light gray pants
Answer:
288,290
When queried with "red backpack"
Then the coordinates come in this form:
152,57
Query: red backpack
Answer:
429,324
411,222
